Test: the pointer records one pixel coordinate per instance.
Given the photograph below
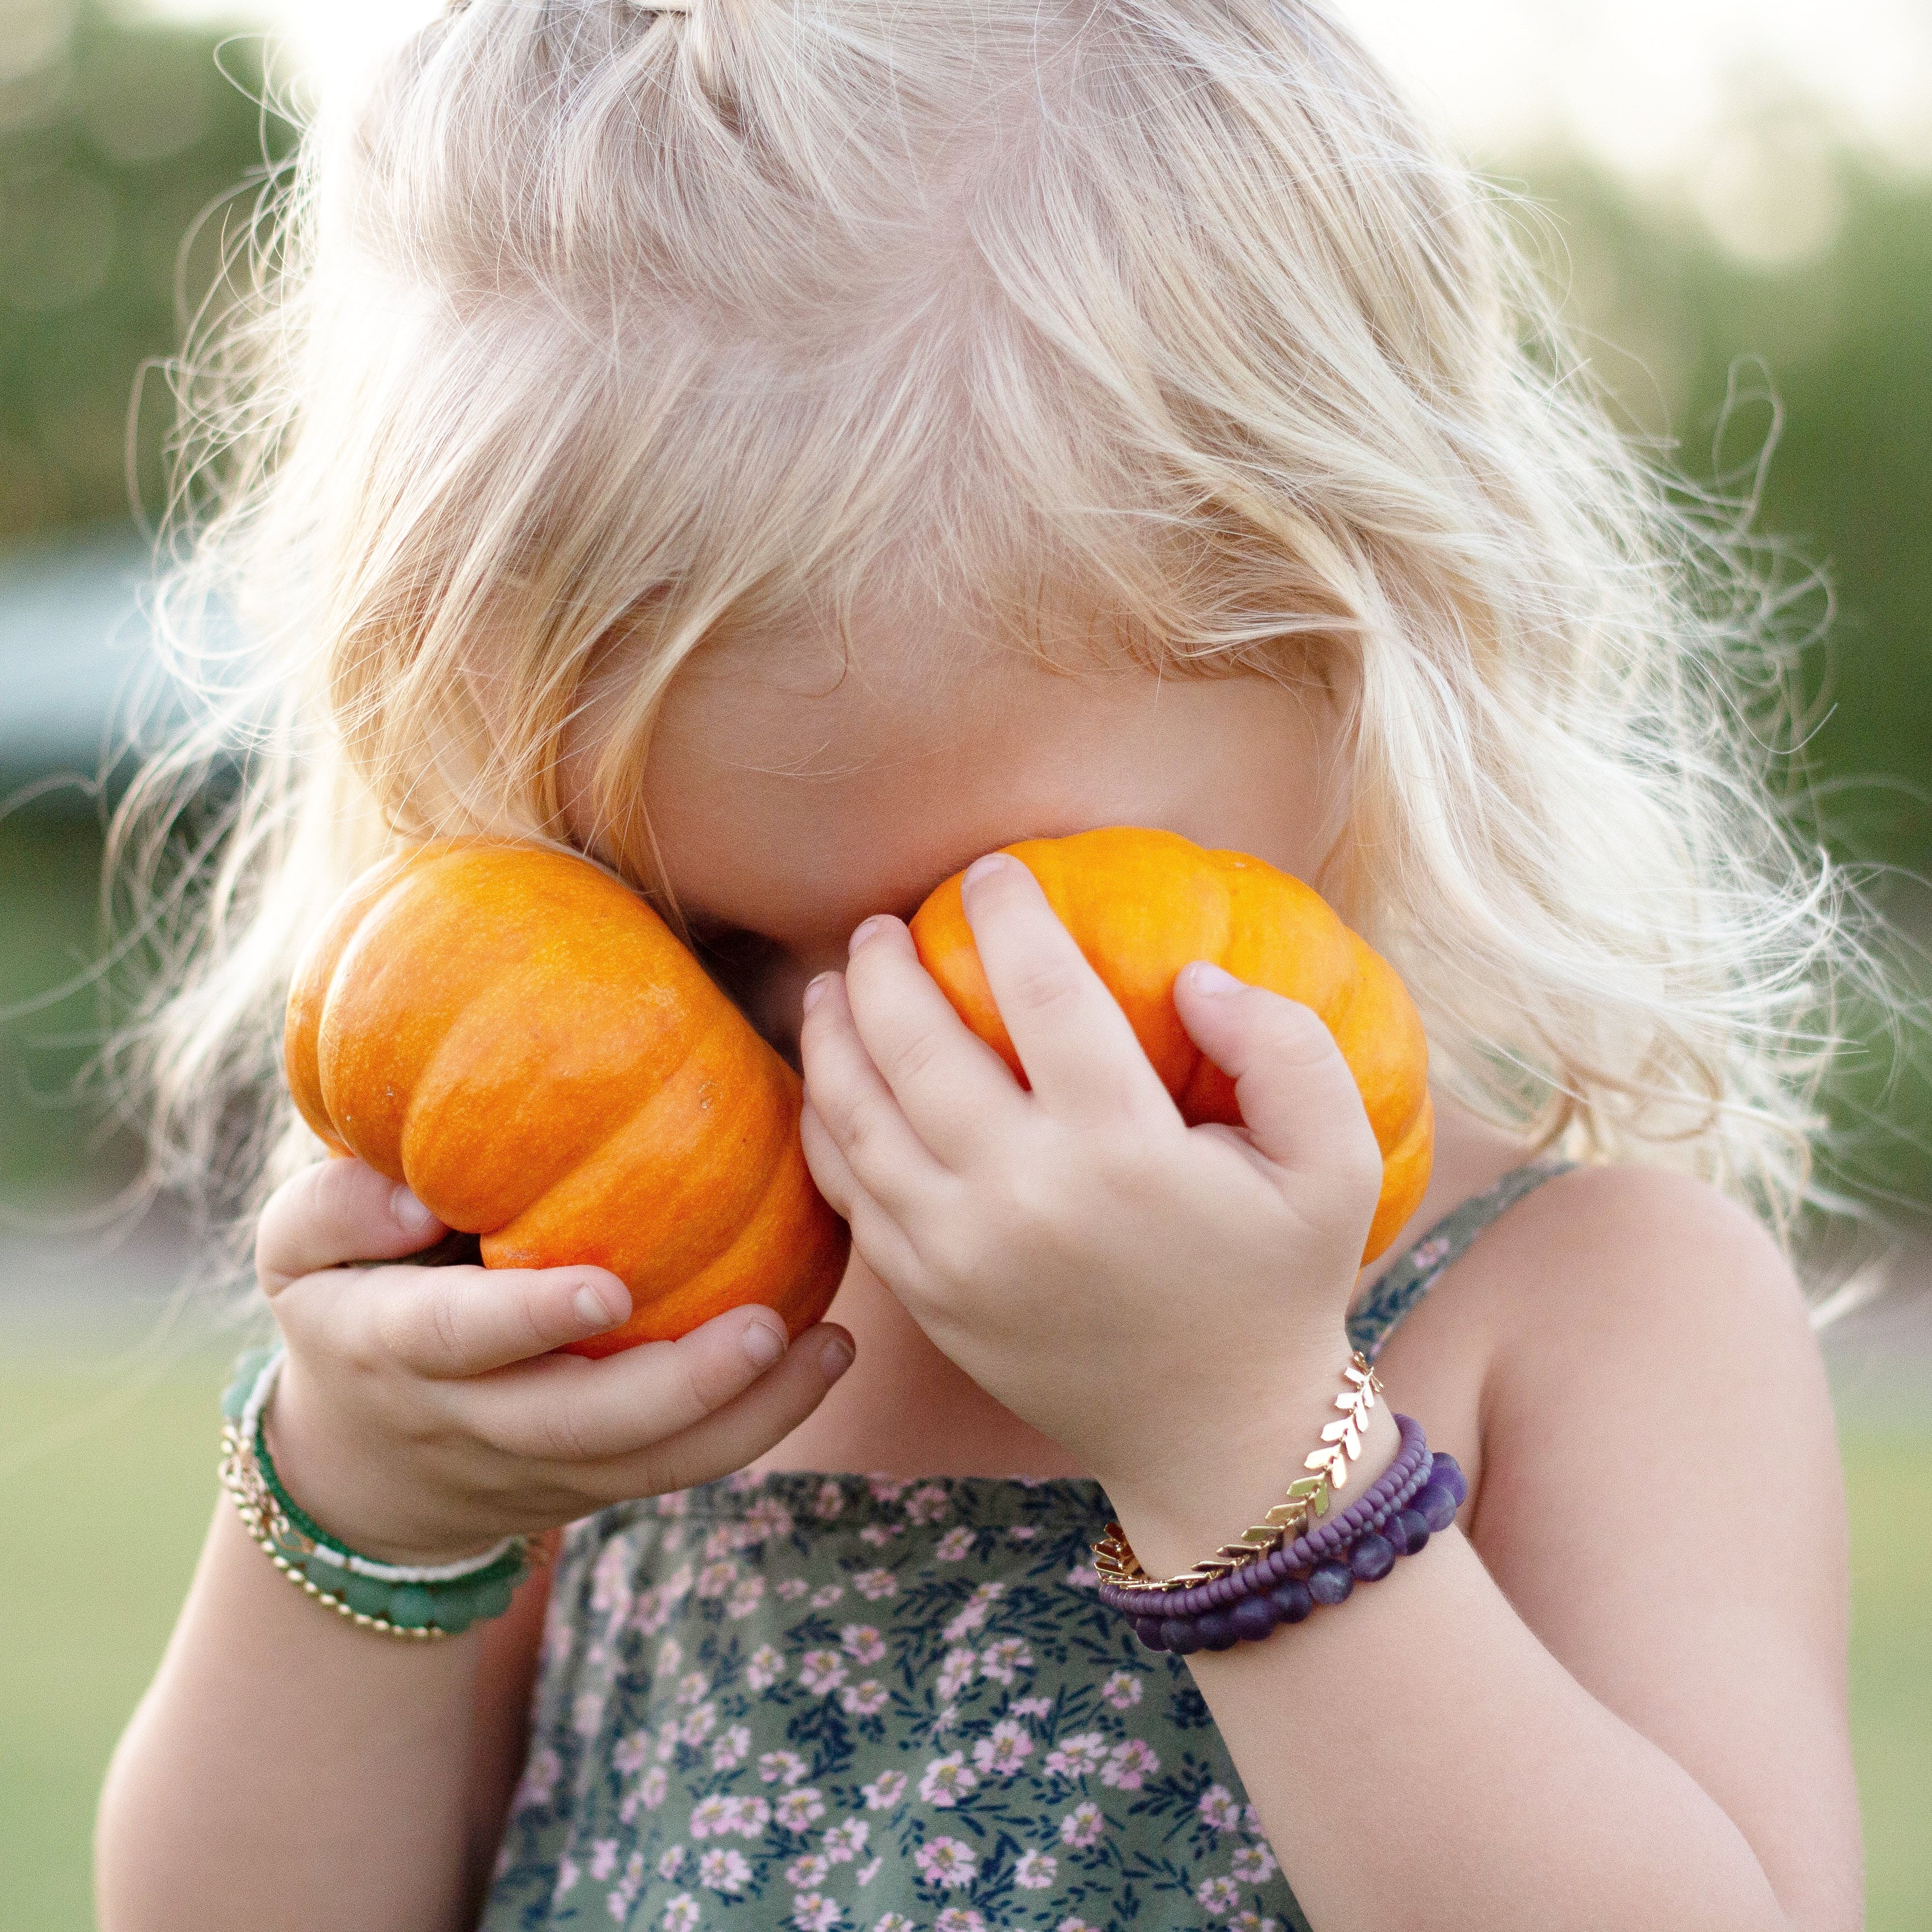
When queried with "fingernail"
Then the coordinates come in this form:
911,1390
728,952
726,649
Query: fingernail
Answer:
412,1217
763,1342
835,1357
602,1304
865,931
815,990
1206,977
985,868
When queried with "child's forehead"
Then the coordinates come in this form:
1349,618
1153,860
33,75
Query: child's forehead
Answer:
792,790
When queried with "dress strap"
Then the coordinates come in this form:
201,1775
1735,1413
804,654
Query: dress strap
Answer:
1413,1273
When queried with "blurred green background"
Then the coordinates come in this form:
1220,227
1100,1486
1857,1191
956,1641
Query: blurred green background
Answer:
1802,268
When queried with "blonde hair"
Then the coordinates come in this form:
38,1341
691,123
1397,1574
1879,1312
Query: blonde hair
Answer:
591,321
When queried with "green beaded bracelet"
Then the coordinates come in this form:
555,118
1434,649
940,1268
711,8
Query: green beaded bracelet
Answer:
419,1602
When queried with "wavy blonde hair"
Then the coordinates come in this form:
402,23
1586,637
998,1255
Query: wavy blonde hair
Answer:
588,321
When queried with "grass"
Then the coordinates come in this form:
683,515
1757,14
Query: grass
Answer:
102,1528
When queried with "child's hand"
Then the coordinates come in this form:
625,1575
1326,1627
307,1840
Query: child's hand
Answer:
419,1415
1159,1299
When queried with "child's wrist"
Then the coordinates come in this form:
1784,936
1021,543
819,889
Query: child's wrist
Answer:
1181,1500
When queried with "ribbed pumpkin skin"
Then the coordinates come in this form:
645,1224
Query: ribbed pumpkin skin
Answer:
527,1044
1140,904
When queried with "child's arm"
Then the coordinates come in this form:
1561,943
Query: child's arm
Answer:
287,1769
1584,1751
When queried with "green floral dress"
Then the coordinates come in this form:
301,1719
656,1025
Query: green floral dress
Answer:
883,1705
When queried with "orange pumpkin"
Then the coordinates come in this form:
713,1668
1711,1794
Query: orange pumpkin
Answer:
525,1043
1140,904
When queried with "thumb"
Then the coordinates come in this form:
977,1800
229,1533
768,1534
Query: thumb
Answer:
1299,1101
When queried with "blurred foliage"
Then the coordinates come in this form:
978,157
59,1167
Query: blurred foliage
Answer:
116,137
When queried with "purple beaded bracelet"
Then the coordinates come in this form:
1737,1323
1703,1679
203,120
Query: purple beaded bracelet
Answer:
1417,1495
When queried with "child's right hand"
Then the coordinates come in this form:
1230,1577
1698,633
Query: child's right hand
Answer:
420,1415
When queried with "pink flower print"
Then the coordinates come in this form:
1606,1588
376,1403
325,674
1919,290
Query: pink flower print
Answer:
711,1817
1022,1532
630,1753
652,1790
743,1482
822,1671
670,1659
681,1915
1423,1258
747,1593
777,1766
829,1502
792,1589
729,1752
653,1613
1002,1661
1124,1690
885,1791
1255,1864
1130,1764
956,1672
692,1686
568,1873
1217,1895
674,1502
886,1489
697,1727
945,1863
671,1863
1082,1826
764,1668
666,1743
586,1713
1003,1750
603,1858
873,1584
1218,1808
946,1781
748,1816
1084,1577
677,1585
723,1869
844,1843
869,1871
539,1779
807,1872
1251,1821
672,1540
958,1918
956,1545
1075,1757
1073,1925
812,1912
797,1811
930,1504
611,1581
878,1534
1252,1922
865,1700
825,1597
1032,1707
721,1542
767,1518
862,1643
1036,1871
714,1579
895,1922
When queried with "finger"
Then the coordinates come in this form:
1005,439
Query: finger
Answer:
858,1109
1081,1056
1298,1100
743,1429
952,1087
884,1246
338,1211
447,1322
564,1409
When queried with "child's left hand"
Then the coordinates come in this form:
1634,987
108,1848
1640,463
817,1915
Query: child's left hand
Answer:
1167,1302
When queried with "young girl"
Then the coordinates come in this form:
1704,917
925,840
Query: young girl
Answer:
786,450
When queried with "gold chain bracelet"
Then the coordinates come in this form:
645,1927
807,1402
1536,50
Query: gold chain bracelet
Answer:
1308,1497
